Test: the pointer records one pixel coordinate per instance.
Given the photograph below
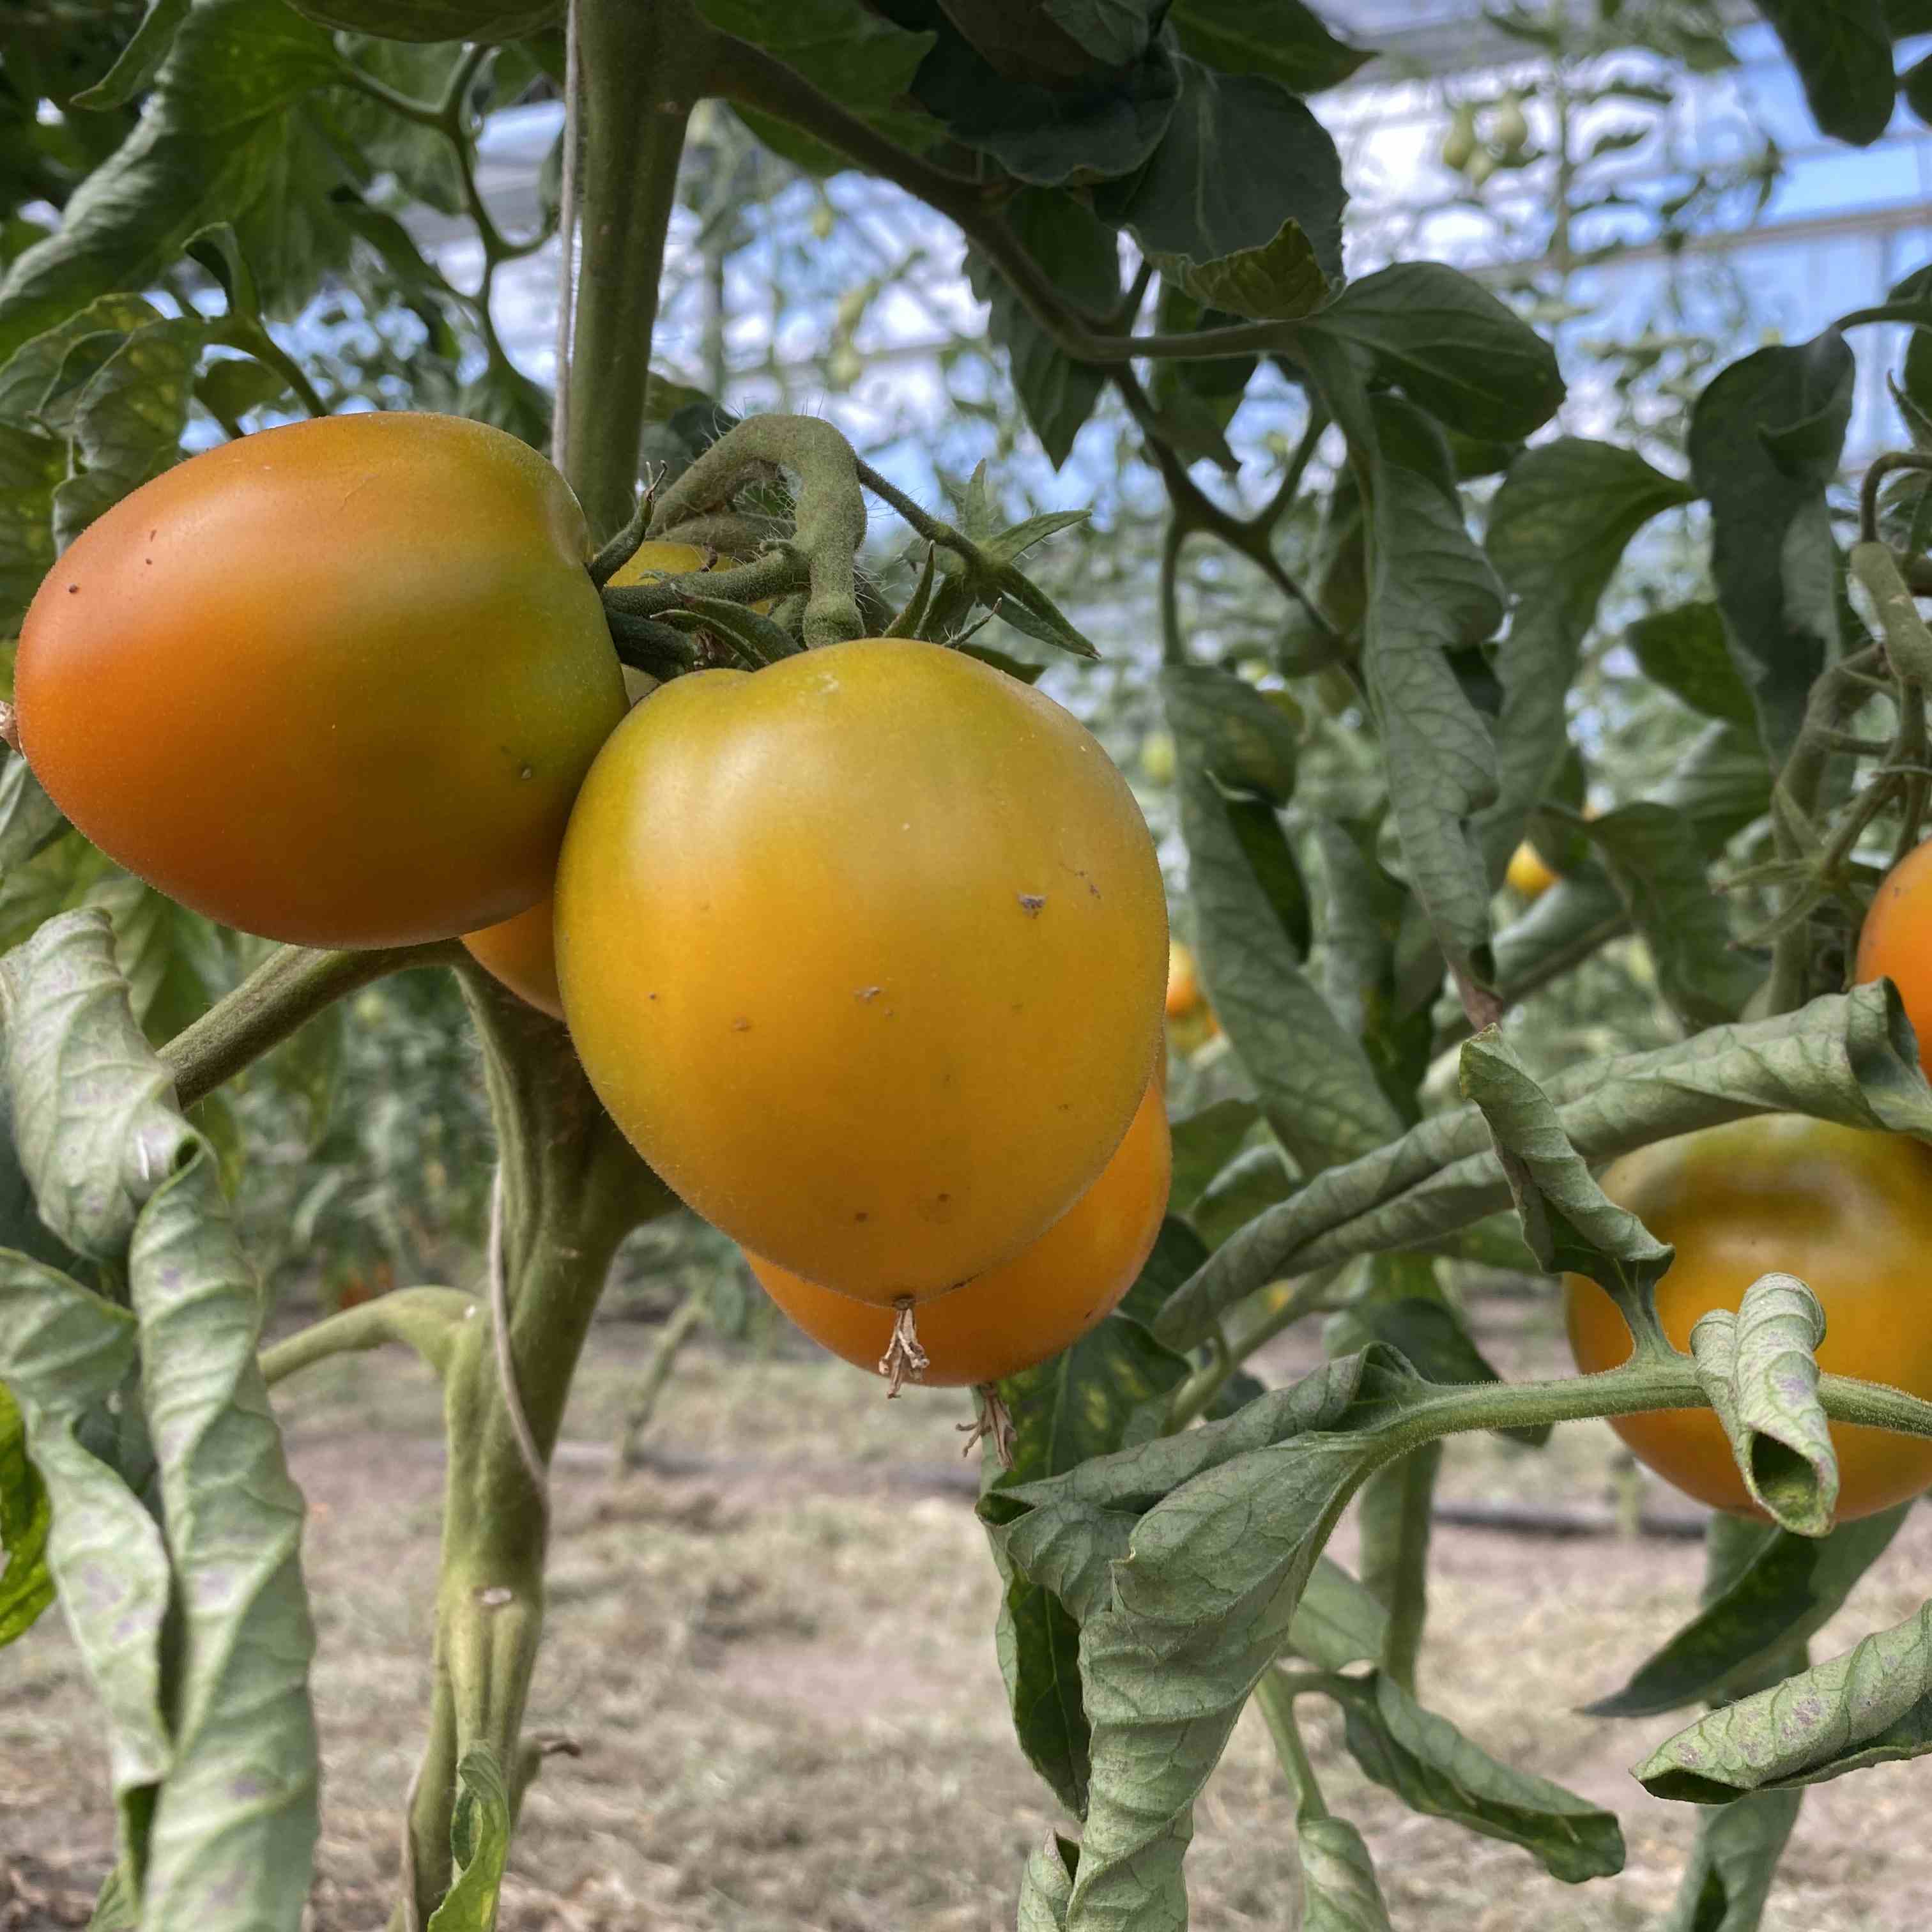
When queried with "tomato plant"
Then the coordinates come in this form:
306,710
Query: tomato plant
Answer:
864,951
251,684
1017,1315
1847,1211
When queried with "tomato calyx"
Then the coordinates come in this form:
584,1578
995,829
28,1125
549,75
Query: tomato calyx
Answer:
992,1422
905,1360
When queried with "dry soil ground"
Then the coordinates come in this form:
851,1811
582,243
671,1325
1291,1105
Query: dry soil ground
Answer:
782,1683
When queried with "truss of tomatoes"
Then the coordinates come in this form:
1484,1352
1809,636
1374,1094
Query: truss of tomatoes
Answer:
865,951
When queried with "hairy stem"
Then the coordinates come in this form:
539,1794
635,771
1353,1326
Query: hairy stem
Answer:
643,68
425,1319
287,990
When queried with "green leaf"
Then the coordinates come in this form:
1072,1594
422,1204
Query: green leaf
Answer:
1558,529
1184,1560
1451,347
1872,1705
1658,862
30,374
235,387
26,1585
479,1841
1338,1622
1729,1877
63,1350
1082,257
1236,764
109,1156
1050,130
1435,1769
1846,1058
1071,1407
1338,1890
127,421
843,47
213,138
140,60
1766,436
1046,1885
1260,241
1788,1591
1431,592
1255,1179
1282,39
488,20
1759,1369
1684,649
172,958
1203,1144
31,467
1842,50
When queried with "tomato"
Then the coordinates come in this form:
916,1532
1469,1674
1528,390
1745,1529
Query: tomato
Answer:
651,559
336,682
865,952
1038,1303
1528,874
1895,943
522,953
1850,1213
1183,982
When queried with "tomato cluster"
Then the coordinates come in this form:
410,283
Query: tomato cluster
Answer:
865,951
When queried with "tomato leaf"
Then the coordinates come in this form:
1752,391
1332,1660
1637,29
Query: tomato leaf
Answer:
1282,39
1224,1522
1842,50
1046,1885
26,1586
31,468
479,1841
1203,1144
1844,1057
1728,1876
1872,1705
1435,1769
1237,767
1082,256
1683,649
119,1174
1559,526
1766,436
1261,242
1338,1890
213,144
140,61
1788,1591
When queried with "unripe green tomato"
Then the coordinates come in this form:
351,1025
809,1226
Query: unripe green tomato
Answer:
1458,143
1509,126
336,683
1482,165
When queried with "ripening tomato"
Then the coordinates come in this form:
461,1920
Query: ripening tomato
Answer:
1527,874
1041,1301
864,952
1850,1213
336,682
1183,981
1895,943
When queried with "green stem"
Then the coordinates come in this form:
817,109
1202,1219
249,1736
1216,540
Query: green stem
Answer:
1396,1515
426,1319
683,1323
1276,1696
644,67
287,990
569,1190
1285,1305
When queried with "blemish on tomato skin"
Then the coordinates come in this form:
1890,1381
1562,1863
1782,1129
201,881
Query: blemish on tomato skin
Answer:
741,1026
1032,904
868,992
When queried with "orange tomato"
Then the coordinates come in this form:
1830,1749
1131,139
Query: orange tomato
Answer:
336,682
1183,981
1895,942
1850,1213
1041,1301
864,952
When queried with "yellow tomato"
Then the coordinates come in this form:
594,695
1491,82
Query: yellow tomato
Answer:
1528,874
865,952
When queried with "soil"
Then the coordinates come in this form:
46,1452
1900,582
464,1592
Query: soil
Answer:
780,1677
